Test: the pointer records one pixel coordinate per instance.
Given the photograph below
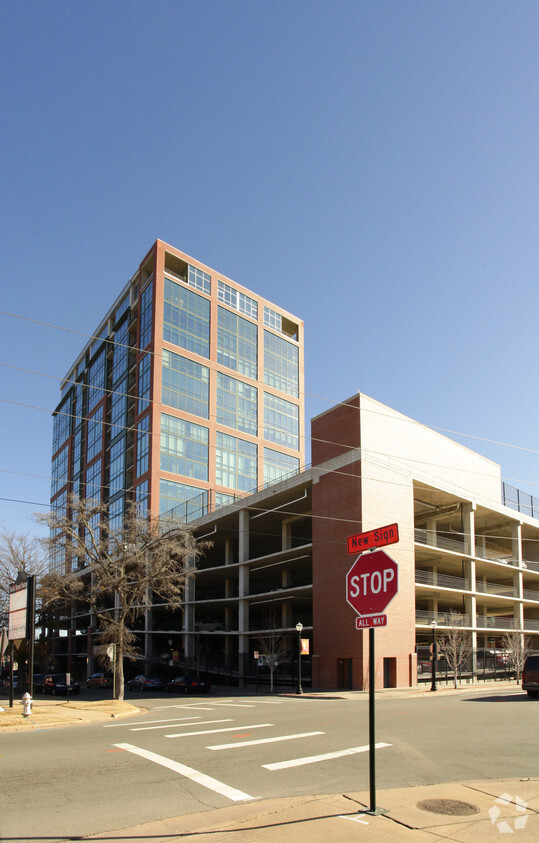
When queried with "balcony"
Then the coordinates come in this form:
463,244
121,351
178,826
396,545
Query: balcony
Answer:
441,580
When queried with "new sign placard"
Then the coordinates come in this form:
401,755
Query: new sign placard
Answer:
373,538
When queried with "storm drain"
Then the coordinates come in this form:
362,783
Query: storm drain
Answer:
449,807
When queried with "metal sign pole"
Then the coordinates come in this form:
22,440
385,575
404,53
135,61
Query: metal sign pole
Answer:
372,737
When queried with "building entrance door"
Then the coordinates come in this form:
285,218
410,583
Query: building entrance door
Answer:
390,673
344,674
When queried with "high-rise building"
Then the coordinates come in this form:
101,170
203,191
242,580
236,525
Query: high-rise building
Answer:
189,394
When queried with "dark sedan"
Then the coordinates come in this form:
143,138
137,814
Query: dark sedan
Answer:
145,683
187,685
56,684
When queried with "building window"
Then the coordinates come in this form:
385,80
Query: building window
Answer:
142,498
117,467
116,514
143,445
184,448
236,404
57,553
223,499
120,353
281,364
237,343
96,380
185,384
118,409
61,425
199,279
272,319
235,463
59,470
122,308
94,436
146,299
281,421
237,300
180,503
144,375
278,466
93,481
186,319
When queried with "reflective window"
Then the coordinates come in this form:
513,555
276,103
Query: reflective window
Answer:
281,421
144,375
236,404
239,301
120,354
237,343
59,470
97,380
185,384
281,364
145,317
277,466
222,499
116,514
61,425
142,498
93,481
143,445
199,279
235,463
57,554
184,447
117,467
186,319
118,409
94,436
180,503
272,319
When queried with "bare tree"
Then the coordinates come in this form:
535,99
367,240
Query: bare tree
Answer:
517,646
454,643
272,645
19,554
115,570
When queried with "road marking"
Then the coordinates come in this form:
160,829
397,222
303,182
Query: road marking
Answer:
170,720
313,759
212,731
265,740
180,725
355,819
235,705
196,776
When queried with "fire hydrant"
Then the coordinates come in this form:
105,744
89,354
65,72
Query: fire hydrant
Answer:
27,703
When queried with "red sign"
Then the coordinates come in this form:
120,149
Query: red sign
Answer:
373,538
372,582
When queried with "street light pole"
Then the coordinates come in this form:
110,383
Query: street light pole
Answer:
433,625
299,627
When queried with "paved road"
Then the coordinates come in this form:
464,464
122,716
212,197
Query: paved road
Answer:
192,754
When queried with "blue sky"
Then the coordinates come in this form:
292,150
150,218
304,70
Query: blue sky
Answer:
371,166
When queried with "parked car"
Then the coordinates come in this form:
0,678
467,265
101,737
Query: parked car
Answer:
207,625
187,685
530,676
100,680
38,683
145,683
56,684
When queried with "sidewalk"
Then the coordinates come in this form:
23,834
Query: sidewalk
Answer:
341,817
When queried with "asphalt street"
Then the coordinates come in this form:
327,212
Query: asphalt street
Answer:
187,755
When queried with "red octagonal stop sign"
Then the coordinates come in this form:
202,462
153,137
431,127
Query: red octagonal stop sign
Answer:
372,582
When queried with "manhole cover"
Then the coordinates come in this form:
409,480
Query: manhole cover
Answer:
451,807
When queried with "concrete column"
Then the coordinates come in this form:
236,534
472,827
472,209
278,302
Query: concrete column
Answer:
243,605
286,534
229,552
468,527
431,531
